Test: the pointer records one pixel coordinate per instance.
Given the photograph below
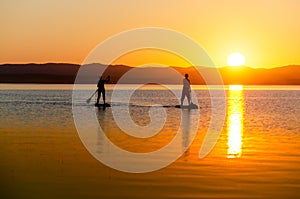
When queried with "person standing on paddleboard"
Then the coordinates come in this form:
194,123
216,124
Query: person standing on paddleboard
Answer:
101,89
186,90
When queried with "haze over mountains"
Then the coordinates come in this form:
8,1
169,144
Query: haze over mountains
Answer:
66,73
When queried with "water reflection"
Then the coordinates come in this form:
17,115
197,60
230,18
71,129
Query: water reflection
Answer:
105,125
186,117
235,120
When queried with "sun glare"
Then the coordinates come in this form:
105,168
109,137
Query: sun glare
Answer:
236,59
235,87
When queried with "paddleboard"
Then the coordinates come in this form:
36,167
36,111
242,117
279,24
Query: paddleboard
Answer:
103,105
191,106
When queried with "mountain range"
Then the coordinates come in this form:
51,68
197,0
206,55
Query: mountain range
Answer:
58,73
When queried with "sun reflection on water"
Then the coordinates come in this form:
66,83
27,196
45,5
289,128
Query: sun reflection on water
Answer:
235,121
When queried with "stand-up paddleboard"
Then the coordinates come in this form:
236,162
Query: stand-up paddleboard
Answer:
191,106
103,105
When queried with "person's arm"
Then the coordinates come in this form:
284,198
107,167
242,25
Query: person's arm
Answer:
107,79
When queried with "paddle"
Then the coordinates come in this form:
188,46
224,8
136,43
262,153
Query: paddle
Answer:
89,99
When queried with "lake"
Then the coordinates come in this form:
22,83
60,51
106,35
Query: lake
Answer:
48,152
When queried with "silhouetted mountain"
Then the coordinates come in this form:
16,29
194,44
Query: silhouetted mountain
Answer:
38,73
66,73
287,75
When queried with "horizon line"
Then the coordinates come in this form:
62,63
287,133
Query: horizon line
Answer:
244,66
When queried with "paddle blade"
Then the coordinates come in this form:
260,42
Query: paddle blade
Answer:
88,100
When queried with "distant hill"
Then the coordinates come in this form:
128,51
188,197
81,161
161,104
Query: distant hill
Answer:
38,73
66,73
286,75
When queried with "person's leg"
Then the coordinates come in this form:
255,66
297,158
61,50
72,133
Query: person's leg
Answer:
98,96
188,95
182,97
103,96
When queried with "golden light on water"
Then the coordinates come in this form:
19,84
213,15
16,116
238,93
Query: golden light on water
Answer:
235,121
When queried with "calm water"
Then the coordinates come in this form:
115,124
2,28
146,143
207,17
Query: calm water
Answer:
256,156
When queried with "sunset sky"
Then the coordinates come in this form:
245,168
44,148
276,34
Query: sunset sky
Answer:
266,32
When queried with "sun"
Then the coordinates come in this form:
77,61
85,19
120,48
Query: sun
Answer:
236,59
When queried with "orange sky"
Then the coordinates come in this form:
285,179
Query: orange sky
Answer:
266,32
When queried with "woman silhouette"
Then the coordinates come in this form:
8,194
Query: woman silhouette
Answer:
186,90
